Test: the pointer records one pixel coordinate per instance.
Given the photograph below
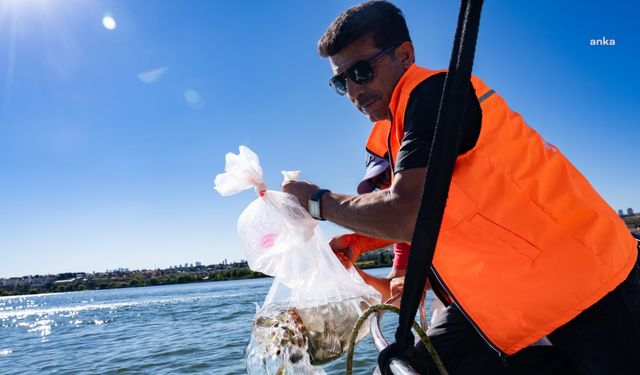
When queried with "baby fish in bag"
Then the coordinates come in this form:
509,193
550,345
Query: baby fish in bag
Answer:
309,312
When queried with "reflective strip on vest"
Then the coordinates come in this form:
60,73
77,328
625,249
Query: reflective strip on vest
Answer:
485,96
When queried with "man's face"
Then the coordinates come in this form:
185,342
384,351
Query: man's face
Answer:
371,98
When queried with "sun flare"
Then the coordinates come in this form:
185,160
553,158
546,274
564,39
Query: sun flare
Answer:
108,22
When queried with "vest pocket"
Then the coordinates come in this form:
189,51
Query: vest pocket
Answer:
505,236
459,207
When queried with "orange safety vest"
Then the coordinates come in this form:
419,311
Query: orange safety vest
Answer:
377,142
526,243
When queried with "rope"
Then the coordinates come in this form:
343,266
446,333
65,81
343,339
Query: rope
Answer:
442,158
416,327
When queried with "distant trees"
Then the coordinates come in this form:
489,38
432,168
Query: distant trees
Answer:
234,274
68,282
381,258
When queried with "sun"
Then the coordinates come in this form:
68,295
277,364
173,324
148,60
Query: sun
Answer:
108,22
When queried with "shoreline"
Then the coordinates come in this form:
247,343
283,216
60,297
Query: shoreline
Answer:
84,284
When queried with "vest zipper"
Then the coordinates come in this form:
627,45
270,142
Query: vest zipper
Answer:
501,354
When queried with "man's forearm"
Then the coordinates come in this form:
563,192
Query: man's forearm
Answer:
379,214
389,213
380,284
366,244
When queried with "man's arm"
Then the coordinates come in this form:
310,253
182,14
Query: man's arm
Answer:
362,243
389,214
352,245
380,284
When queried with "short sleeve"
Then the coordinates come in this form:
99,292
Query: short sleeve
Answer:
420,121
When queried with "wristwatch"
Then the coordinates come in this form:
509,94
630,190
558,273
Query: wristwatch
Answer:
314,204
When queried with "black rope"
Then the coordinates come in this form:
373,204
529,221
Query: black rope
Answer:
442,158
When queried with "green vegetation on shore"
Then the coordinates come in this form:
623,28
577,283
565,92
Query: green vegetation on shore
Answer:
72,282
382,258
94,283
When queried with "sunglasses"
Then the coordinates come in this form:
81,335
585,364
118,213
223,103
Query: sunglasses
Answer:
360,72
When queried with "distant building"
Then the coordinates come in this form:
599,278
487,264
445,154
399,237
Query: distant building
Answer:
198,264
620,213
629,211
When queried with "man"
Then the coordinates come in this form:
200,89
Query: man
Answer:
527,248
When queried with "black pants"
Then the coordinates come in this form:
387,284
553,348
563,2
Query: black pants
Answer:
603,339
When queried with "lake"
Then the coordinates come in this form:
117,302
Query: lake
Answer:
187,328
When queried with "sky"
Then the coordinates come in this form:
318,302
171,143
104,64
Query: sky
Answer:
115,116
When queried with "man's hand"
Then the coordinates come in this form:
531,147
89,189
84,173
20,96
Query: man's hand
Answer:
346,248
346,263
396,285
300,189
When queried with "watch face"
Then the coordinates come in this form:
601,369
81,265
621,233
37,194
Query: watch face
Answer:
314,209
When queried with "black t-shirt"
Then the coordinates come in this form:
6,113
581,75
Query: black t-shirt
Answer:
420,122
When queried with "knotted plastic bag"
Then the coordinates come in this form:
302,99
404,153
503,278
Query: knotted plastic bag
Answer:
314,301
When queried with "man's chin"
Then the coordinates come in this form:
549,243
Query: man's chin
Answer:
373,117
376,113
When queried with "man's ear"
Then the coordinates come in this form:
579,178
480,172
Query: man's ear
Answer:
406,54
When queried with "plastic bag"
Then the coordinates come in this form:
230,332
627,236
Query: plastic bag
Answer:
314,301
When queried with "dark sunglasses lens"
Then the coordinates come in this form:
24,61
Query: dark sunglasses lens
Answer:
361,72
339,83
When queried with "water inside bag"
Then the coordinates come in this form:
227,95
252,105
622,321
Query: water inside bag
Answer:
290,340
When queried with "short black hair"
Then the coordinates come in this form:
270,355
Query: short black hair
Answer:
380,19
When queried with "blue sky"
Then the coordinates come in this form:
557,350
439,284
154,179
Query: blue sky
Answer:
110,139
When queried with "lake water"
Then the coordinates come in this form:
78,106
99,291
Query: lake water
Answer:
188,328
